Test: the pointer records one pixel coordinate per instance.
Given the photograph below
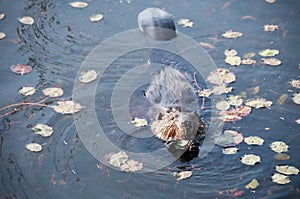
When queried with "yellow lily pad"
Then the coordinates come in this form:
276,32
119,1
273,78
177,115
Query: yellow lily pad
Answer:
280,179
230,52
185,23
254,140
287,170
248,61
139,122
233,60
53,92
296,98
67,107
43,130
34,147
268,52
235,100
117,159
258,103
279,147
221,76
250,159
252,185
230,150
271,61
27,90
230,34
295,83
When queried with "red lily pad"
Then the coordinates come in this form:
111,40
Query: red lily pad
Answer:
235,114
21,69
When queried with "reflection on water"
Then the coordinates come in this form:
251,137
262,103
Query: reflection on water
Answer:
56,45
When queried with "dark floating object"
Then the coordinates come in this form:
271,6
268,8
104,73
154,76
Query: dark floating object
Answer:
157,24
21,69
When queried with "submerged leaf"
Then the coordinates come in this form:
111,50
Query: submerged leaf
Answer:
139,122
185,23
88,76
21,69
268,52
229,138
78,4
221,76
252,185
296,98
249,55
67,107
271,61
43,130
26,20
233,60
279,147
27,90
222,105
34,147
221,89
182,175
280,179
282,99
53,92
258,103
131,166
230,150
254,140
230,34
281,156
250,159
287,170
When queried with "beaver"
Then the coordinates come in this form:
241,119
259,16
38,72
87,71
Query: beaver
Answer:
172,116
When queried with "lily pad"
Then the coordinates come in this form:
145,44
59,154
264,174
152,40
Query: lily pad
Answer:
78,4
205,93
235,100
53,92
297,121
221,89
67,107
295,83
27,90
139,122
229,138
131,166
43,130
268,52
2,15
26,20
270,27
2,35
182,175
230,150
296,98
249,55
222,105
252,185
88,76
230,52
280,179
230,34
21,69
34,147
117,159
259,103
250,159
279,147
233,60
185,23
254,140
221,76
248,61
287,170
271,61
96,17
234,114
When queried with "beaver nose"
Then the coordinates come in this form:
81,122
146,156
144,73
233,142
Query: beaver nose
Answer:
157,24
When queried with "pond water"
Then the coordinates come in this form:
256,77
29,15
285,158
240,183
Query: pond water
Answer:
56,46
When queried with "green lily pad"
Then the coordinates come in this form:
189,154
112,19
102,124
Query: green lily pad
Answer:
233,60
268,52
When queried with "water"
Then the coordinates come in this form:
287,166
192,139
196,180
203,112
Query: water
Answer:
62,37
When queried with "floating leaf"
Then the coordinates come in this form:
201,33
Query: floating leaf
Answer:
26,20
67,107
117,159
185,23
229,138
248,61
287,170
230,150
250,159
205,93
131,166
297,121
270,1
2,35
27,90
221,76
258,103
270,27
53,92
268,52
2,15
295,83
88,76
233,60
207,45
222,105
282,99
234,114
271,61
230,34
281,156
182,175
34,147
96,17
296,98
279,147
139,122
43,130
218,90
280,179
21,69
249,55
230,52
78,4
235,100
254,140
252,185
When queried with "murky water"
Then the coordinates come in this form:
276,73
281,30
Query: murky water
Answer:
62,37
